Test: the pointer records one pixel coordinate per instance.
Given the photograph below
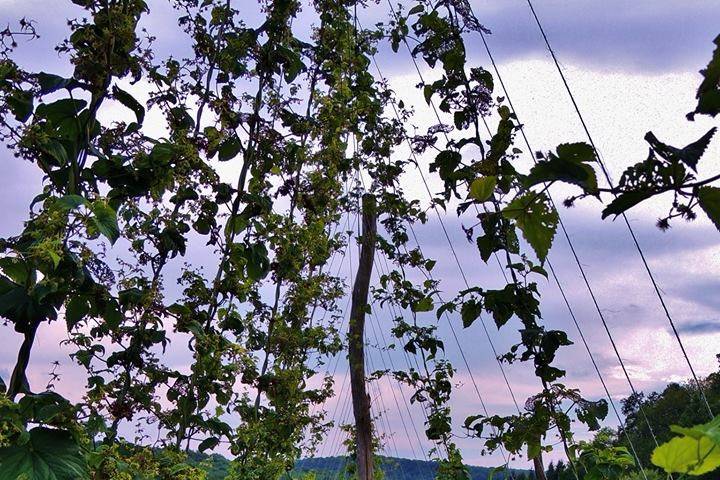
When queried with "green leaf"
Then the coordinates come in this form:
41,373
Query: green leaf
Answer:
576,152
195,328
56,150
556,169
590,413
49,454
51,83
43,407
292,62
112,316
21,105
459,118
423,305
444,308
428,92
708,94
129,101
481,189
71,202
162,153
60,110
258,263
536,218
105,220
690,155
229,149
625,201
483,77
569,165
534,448
539,270
18,306
236,224
182,119
446,162
469,312
208,444
694,456
130,297
710,430
75,311
501,141
709,198
487,246
18,270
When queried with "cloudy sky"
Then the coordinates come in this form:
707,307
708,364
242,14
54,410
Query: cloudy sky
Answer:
633,67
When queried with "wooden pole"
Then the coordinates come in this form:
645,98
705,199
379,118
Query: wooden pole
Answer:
356,343
539,468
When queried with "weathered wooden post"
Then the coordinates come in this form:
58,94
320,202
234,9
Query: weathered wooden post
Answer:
356,341
539,468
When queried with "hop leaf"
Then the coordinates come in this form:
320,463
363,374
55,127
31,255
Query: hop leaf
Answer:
535,216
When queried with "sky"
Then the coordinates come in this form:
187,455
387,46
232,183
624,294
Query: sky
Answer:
633,67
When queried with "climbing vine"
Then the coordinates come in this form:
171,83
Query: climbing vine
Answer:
481,173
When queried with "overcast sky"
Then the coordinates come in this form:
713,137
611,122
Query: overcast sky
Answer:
633,66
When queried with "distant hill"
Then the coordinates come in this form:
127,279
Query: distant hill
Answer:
217,466
330,468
